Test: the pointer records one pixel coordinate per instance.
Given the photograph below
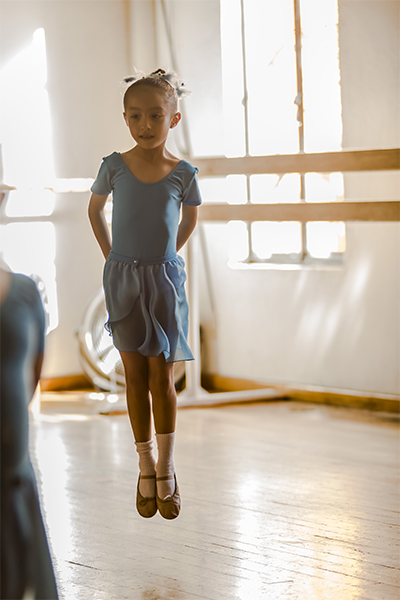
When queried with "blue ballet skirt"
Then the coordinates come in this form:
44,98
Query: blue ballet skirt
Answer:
144,278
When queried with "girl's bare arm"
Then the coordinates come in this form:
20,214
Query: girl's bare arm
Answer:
187,225
99,224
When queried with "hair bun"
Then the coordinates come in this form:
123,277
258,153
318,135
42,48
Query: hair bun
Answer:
174,81
169,77
158,72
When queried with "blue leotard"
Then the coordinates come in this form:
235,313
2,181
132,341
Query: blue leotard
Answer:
143,276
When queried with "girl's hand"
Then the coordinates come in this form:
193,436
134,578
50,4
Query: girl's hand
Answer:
187,225
99,223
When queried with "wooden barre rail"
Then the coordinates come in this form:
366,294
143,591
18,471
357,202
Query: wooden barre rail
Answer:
303,211
323,162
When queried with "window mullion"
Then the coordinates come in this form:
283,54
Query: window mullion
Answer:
304,252
245,103
300,115
245,100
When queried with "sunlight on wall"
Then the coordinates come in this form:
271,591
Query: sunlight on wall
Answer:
25,132
25,126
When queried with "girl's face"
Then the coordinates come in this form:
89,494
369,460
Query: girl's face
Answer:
149,117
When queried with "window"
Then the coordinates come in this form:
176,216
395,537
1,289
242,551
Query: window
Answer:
281,95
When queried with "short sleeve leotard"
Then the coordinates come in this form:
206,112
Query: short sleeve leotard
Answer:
143,275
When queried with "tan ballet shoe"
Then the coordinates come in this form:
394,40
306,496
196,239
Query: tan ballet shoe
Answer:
146,507
170,507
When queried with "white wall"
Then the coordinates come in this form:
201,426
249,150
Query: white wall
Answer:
334,327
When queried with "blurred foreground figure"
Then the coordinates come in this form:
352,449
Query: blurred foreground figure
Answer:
26,568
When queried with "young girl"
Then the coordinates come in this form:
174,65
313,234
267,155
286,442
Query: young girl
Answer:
144,277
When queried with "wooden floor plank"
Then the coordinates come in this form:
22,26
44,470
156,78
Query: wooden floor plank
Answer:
280,500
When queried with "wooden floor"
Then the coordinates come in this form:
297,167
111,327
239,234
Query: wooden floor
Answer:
281,500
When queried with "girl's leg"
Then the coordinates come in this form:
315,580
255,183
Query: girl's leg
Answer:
162,388
161,384
137,394
139,409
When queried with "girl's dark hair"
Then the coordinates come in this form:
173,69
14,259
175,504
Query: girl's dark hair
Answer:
155,80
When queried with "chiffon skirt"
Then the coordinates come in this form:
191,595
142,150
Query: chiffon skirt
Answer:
147,306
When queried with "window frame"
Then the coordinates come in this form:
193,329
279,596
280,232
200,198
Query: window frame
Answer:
303,257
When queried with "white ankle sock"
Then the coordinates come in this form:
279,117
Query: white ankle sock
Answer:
165,464
147,466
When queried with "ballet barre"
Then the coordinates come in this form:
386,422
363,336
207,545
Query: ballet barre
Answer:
376,211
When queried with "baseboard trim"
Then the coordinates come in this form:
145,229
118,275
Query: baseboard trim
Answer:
307,393
214,382
66,383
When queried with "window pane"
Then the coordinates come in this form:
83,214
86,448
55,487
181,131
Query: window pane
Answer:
321,76
236,189
212,189
230,189
324,187
232,78
271,75
323,238
30,203
272,89
238,240
276,238
275,188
